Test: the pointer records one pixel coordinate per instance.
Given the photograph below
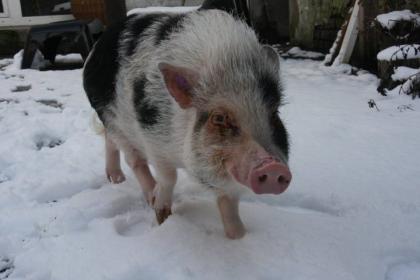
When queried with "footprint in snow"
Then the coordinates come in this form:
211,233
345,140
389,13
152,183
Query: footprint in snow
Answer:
51,102
47,141
3,178
299,202
134,223
20,88
404,271
6,268
8,100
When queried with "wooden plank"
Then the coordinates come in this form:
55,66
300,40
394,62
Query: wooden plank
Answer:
335,48
350,37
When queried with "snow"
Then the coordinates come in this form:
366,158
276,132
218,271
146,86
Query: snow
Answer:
62,7
389,20
402,73
401,52
69,58
352,210
404,271
328,58
151,10
297,52
16,62
38,61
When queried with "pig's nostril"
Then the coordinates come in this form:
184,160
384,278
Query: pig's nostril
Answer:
262,178
282,180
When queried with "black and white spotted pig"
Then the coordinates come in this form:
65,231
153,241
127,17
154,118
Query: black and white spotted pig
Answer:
194,91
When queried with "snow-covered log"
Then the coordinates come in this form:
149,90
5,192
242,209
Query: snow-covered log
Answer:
389,20
402,52
403,73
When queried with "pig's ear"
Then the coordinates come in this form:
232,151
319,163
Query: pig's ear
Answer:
272,56
179,82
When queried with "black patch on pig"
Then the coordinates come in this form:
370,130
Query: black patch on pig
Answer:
279,134
223,5
167,27
101,68
270,90
201,120
147,114
139,87
136,27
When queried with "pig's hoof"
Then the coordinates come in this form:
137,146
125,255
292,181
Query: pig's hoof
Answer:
115,176
235,231
162,214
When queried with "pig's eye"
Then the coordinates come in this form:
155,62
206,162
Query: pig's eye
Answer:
225,123
219,119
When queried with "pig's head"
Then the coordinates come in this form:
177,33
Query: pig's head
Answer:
236,135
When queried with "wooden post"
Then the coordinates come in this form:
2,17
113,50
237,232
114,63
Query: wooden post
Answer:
115,11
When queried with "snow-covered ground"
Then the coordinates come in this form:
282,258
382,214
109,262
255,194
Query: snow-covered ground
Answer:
351,212
298,53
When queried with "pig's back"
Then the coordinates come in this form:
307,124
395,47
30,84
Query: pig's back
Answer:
105,60
101,68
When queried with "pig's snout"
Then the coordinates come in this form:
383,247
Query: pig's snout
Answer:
270,177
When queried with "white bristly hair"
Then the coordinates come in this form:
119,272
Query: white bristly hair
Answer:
229,61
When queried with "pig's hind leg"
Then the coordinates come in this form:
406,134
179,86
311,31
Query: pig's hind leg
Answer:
113,167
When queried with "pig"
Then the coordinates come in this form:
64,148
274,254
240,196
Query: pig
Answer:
196,91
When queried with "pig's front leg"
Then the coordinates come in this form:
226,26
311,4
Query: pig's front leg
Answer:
162,200
113,167
228,207
142,172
